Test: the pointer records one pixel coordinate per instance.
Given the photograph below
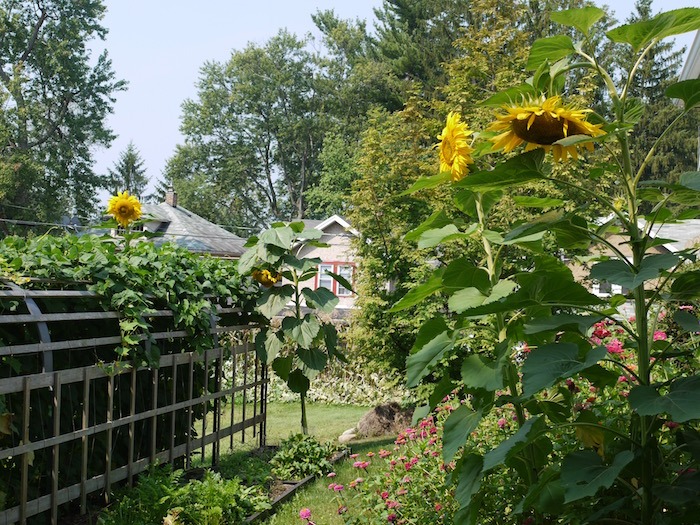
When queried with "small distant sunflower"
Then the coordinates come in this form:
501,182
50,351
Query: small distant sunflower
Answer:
540,123
266,277
455,151
125,208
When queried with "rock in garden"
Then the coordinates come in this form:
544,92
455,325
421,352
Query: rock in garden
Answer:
348,435
389,418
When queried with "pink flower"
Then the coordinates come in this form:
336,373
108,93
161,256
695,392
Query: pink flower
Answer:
671,424
353,456
502,423
331,475
438,507
361,464
392,504
685,307
305,514
622,379
391,517
338,487
384,453
384,494
660,336
370,454
614,347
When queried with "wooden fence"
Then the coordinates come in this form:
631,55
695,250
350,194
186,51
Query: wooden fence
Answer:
75,430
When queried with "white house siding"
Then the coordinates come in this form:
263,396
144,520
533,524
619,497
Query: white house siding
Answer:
338,255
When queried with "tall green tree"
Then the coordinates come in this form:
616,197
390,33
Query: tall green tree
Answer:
129,173
676,150
55,99
257,123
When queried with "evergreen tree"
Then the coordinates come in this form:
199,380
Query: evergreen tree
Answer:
675,152
128,174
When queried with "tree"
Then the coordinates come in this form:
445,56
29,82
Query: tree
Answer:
658,69
55,99
258,124
128,173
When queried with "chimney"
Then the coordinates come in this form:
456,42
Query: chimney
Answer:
171,198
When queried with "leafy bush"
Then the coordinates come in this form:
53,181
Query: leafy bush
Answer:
300,456
161,496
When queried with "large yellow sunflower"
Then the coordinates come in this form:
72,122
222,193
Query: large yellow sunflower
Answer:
125,208
455,151
540,123
266,277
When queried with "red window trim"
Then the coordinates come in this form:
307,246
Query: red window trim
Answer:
335,265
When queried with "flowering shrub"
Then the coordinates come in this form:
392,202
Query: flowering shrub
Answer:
406,484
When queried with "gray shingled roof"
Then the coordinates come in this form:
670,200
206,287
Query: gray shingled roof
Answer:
187,229
684,234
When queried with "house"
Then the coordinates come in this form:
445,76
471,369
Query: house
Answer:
187,229
674,237
337,258
691,71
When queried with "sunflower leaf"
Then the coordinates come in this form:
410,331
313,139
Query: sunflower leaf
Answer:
688,91
549,49
663,25
581,19
510,95
424,183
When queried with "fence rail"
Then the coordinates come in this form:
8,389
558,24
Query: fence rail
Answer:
77,429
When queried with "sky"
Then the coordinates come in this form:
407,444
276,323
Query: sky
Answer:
159,46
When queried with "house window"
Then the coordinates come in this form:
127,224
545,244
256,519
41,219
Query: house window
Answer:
344,271
326,281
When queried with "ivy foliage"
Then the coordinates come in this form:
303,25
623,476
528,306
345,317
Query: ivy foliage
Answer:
134,281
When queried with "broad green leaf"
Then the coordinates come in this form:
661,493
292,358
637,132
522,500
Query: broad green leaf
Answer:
425,183
314,358
684,490
663,25
550,49
682,402
546,287
283,366
543,223
688,91
690,180
310,234
510,95
548,363
547,495
321,298
466,201
298,382
479,373
437,220
432,238
420,292
687,321
296,226
330,338
469,473
273,300
686,286
301,265
582,19
268,345
517,170
281,237
507,448
461,422
468,298
619,272
418,365
600,377
461,273
558,322
537,202
440,390
301,331
427,332
583,473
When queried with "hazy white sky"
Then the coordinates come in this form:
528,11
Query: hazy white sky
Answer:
158,46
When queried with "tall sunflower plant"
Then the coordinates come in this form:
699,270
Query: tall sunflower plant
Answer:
299,339
634,461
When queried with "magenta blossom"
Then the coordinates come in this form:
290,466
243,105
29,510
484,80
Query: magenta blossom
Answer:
305,514
660,336
614,347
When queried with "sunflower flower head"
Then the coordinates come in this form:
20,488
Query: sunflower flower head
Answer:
455,151
539,123
125,208
266,277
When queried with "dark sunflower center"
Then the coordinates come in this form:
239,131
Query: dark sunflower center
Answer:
545,130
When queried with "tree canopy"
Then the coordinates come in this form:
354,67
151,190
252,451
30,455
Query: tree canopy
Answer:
54,98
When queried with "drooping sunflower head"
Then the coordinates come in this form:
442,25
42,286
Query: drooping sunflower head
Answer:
266,277
455,151
540,123
125,208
